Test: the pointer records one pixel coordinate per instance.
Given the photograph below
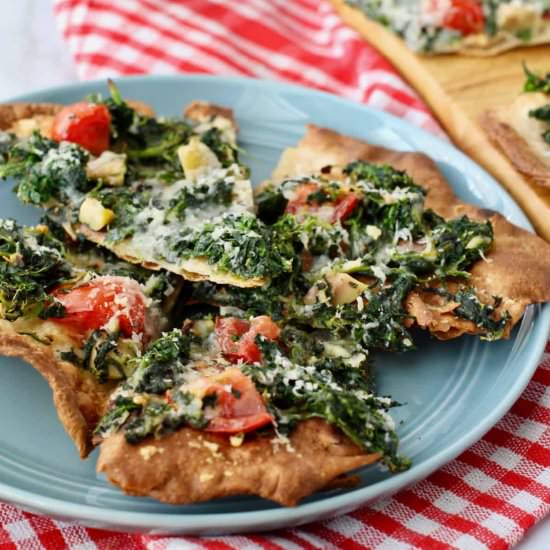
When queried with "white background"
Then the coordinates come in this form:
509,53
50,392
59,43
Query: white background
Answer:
33,57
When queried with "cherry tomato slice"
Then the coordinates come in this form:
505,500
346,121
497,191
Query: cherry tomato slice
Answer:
83,123
465,16
92,305
344,207
239,407
299,202
236,337
229,331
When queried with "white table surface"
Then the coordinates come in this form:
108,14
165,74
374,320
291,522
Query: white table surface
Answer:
34,57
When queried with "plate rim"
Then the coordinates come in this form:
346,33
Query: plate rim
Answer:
224,522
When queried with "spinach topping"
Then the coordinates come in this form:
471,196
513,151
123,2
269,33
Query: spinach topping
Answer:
200,196
304,382
29,270
235,243
151,143
271,204
105,355
85,255
379,325
46,170
163,367
390,240
327,389
226,152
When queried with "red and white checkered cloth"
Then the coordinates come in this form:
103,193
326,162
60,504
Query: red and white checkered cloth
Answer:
486,498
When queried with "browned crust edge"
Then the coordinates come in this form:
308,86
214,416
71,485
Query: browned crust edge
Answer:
202,110
516,149
189,466
78,397
12,112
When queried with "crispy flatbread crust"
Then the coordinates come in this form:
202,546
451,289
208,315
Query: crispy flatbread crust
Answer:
202,111
518,266
23,118
189,466
79,398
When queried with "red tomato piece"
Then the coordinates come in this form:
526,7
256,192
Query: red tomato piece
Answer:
239,408
92,305
229,331
83,123
465,16
299,202
344,207
236,337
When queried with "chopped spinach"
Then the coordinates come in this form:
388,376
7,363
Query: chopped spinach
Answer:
484,316
330,390
163,367
239,244
271,204
107,356
201,196
46,170
28,272
226,152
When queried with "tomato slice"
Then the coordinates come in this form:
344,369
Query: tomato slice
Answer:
92,305
344,207
465,16
299,202
338,210
239,407
236,337
83,123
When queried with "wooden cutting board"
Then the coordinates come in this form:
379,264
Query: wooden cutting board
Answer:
458,89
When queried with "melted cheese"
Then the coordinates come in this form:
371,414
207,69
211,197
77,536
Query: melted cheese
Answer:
530,129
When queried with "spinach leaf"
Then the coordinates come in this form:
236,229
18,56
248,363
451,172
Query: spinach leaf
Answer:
536,83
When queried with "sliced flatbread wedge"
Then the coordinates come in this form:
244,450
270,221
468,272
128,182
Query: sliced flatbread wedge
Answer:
517,267
192,423
179,201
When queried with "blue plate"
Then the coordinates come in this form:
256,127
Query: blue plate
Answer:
452,392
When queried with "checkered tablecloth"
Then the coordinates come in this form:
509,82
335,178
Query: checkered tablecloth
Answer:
490,495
